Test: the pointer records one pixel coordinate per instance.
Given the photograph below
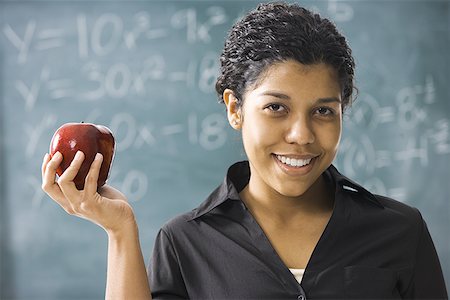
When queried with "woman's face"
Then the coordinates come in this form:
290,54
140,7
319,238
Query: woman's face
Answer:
291,126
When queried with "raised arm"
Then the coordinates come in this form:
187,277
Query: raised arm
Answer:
108,208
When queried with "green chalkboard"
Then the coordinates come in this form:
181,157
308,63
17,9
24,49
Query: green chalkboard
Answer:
146,69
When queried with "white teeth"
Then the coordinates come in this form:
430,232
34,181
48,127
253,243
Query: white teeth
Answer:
294,162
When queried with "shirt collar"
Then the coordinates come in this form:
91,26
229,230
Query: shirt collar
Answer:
345,184
238,176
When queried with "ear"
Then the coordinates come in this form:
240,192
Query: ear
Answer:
233,109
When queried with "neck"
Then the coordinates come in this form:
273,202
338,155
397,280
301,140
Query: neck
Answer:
317,200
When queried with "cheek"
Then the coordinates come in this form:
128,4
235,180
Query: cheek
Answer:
257,134
330,137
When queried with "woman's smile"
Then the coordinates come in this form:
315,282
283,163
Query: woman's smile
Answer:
295,165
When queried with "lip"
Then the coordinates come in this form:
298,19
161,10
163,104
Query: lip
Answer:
296,171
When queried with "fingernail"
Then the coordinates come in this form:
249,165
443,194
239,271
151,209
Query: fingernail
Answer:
57,155
78,155
45,156
98,156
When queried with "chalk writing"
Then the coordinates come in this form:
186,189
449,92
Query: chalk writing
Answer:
439,135
195,31
210,133
132,182
22,44
35,133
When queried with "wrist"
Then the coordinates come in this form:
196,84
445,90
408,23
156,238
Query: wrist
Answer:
126,230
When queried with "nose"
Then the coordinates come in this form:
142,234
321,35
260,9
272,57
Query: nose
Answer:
300,131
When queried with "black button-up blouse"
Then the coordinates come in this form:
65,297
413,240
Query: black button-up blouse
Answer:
372,248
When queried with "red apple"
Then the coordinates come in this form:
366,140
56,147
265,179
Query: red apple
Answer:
86,137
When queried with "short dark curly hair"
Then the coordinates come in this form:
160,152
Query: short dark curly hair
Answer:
275,32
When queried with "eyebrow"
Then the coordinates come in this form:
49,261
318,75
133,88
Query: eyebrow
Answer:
286,97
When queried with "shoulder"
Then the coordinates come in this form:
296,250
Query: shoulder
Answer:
369,207
400,215
400,209
183,229
383,214
178,223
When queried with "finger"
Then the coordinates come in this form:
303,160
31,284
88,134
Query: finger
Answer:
66,179
44,164
49,172
49,184
90,184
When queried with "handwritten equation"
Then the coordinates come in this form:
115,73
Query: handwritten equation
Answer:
90,36
407,122
117,81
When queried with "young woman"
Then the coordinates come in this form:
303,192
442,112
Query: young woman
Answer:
285,224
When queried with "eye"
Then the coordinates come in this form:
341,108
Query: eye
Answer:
325,111
276,108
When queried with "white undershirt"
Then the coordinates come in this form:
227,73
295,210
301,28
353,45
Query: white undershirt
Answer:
298,274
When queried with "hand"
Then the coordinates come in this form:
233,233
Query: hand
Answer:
106,207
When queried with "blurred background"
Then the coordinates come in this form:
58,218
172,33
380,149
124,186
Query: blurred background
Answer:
146,69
